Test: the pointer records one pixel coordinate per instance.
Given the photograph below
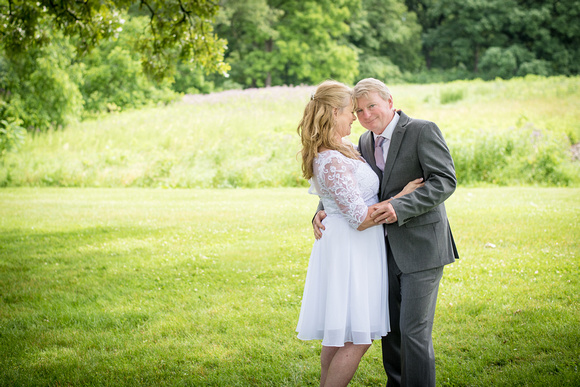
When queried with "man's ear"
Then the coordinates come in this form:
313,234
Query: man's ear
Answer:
335,111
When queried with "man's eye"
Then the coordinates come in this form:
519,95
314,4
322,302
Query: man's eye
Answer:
372,106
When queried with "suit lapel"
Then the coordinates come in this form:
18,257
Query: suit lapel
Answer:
394,146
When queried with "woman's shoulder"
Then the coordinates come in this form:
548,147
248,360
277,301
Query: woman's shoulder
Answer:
329,154
334,158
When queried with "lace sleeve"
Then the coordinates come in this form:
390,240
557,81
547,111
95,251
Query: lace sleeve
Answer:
337,176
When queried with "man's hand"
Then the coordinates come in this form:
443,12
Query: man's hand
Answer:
317,224
384,213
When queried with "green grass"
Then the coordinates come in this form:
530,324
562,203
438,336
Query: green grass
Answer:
516,132
202,287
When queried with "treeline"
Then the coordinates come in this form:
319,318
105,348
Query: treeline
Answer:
292,42
60,77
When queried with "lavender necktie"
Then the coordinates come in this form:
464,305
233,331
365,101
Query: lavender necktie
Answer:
379,157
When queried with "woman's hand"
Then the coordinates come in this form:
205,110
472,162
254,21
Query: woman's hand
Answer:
411,186
369,221
384,212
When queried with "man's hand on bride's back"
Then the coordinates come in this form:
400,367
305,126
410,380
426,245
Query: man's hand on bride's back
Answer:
317,224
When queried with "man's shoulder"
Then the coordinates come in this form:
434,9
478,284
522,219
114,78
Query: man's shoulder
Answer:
412,121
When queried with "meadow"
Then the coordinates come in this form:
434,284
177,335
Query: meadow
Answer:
168,246
202,287
516,132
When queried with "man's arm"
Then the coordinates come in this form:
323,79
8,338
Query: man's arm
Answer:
439,171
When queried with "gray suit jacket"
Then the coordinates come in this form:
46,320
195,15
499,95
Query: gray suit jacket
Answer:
421,239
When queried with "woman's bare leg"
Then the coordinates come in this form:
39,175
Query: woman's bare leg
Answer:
326,356
343,364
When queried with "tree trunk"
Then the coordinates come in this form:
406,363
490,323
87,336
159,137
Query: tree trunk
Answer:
268,46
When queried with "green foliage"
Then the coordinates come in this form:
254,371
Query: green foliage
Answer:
290,43
12,135
177,29
41,87
113,78
379,68
522,156
498,63
503,38
46,89
385,31
450,95
152,287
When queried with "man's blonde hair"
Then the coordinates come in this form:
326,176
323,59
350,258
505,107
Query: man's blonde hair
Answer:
369,85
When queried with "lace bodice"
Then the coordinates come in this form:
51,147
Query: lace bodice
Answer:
346,186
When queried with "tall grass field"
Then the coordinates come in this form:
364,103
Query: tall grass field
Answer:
202,287
524,131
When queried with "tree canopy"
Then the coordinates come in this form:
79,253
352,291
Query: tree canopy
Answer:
177,29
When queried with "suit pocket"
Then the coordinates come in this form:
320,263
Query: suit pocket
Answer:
432,216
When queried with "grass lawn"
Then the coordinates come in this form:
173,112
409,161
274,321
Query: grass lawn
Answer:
202,287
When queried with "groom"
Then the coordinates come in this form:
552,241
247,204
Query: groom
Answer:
418,237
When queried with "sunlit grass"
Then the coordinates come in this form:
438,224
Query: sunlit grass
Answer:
203,287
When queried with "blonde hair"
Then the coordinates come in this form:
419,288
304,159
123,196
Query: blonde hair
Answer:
317,127
369,85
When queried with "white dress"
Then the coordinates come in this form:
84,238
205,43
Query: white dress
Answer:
345,293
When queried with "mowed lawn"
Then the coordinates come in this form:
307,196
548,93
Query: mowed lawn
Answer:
193,287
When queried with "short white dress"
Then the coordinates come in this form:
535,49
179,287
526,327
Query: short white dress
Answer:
345,292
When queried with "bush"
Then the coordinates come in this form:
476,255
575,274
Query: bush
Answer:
450,96
41,87
498,63
12,135
524,155
113,77
380,68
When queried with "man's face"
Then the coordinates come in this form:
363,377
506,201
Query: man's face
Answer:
374,113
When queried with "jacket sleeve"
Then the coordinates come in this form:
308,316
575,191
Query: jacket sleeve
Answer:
438,171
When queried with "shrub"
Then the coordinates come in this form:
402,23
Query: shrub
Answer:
498,62
113,77
524,155
450,96
12,135
41,87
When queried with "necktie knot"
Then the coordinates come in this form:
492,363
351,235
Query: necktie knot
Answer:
379,141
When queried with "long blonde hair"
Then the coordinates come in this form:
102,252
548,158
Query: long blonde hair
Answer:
317,127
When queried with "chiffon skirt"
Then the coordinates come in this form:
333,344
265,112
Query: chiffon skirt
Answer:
345,292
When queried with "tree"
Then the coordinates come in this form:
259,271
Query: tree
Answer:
537,36
388,37
277,42
250,27
177,29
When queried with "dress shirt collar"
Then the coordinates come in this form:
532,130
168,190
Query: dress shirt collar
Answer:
388,132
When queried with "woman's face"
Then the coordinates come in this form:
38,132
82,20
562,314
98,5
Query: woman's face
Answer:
344,119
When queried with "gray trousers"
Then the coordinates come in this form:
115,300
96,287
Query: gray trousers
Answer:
408,355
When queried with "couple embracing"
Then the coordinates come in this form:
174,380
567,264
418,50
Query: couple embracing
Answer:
382,234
